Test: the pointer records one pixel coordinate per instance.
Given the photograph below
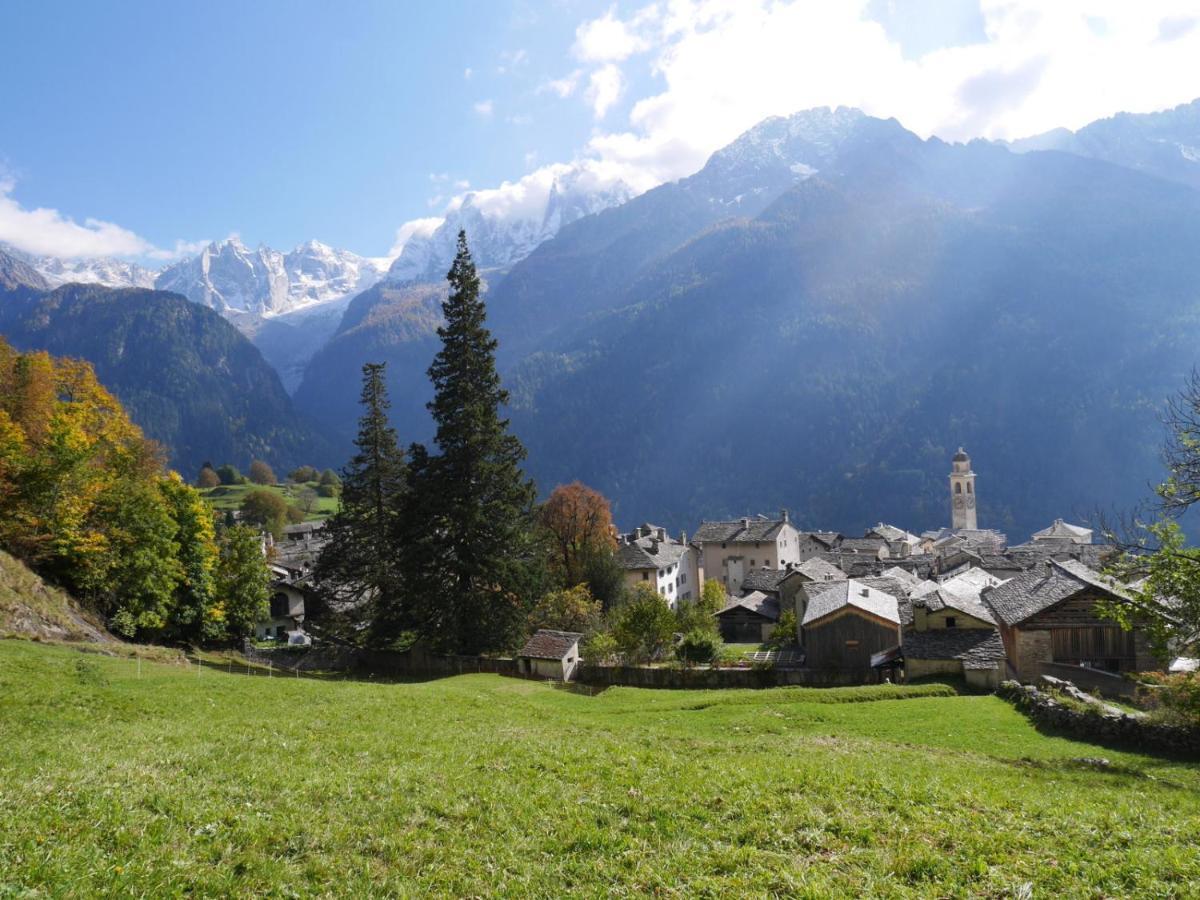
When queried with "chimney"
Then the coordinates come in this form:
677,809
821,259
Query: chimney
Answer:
746,522
683,538
662,534
783,514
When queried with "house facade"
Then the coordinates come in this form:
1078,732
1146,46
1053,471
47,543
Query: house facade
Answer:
729,551
649,556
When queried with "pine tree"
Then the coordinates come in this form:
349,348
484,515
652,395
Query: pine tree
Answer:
362,592
471,538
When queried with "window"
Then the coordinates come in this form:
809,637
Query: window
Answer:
968,487
958,487
645,576
752,564
951,622
279,606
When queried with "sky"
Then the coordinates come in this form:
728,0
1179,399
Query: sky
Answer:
142,129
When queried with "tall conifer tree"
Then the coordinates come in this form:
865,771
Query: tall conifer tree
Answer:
472,538
362,593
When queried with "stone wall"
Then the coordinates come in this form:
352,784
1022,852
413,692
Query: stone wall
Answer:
1102,727
388,663
670,677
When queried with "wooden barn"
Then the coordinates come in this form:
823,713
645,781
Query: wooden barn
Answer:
748,620
845,623
1048,619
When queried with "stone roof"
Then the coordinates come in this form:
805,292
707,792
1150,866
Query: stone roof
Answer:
752,529
828,538
961,456
825,598
649,551
901,575
756,602
1061,529
978,648
944,598
862,545
548,644
818,569
764,579
1024,596
892,533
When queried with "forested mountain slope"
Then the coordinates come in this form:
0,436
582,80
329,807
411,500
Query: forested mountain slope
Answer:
187,377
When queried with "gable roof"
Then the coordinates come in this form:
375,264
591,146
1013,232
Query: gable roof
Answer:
649,551
549,644
754,529
826,598
1061,529
819,569
862,545
756,602
944,598
892,533
764,579
827,538
1024,596
978,648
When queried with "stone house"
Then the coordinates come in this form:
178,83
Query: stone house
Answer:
285,615
977,654
1048,620
729,551
648,555
748,620
844,623
900,543
550,654
815,543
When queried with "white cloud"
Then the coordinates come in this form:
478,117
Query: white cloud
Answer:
414,228
47,232
609,39
467,73
511,59
604,89
484,109
728,64
564,87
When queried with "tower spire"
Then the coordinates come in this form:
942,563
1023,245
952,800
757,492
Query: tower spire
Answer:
962,492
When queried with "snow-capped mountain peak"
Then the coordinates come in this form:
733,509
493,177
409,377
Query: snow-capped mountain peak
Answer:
506,224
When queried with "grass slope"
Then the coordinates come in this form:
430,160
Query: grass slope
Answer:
230,496
222,784
32,608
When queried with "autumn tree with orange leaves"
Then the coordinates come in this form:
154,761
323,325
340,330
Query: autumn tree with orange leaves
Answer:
579,528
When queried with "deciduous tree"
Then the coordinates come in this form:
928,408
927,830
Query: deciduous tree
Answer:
243,581
261,473
578,522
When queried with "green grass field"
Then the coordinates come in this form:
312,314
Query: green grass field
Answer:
231,496
222,784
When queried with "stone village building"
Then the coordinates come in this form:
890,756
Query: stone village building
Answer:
649,556
729,551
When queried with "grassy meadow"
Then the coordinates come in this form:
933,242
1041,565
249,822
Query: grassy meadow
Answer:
230,496
222,784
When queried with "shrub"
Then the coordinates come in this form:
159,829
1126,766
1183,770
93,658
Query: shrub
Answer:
208,477
230,475
598,648
331,477
1176,696
303,475
785,633
265,508
699,646
643,624
328,490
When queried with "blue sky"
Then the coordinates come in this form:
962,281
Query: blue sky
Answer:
132,126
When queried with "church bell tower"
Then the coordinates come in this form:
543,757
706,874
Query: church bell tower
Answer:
962,492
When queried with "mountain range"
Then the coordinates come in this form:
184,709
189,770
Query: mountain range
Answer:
815,319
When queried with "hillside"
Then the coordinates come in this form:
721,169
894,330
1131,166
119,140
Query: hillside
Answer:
484,786
33,609
187,377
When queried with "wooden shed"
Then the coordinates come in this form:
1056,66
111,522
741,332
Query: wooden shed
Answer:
749,619
845,623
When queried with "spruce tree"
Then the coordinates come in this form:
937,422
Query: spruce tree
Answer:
471,539
361,594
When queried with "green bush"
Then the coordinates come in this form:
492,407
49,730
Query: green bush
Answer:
598,648
1176,697
699,646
